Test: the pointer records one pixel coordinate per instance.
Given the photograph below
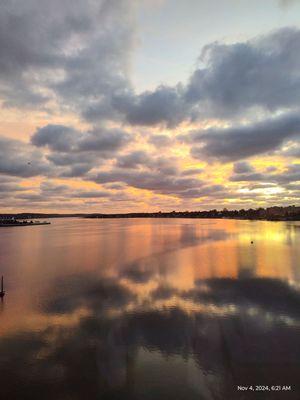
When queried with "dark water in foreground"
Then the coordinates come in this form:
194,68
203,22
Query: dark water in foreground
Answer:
150,309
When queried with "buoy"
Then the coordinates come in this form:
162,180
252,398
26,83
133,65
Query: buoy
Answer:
2,292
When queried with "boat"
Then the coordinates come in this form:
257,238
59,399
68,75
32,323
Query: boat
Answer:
2,292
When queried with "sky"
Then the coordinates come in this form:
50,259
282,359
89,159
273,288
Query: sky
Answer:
126,105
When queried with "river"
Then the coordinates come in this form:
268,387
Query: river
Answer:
150,309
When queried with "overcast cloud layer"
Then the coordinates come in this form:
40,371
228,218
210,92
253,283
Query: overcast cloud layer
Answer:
229,135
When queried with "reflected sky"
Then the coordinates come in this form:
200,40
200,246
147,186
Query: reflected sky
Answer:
149,309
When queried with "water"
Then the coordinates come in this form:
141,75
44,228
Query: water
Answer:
150,309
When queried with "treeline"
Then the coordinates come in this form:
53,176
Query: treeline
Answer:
271,213
291,213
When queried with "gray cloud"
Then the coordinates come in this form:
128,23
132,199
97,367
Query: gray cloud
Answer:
255,176
192,171
56,137
243,171
232,79
164,105
242,167
18,158
291,150
78,151
159,182
289,175
140,159
65,139
7,187
49,191
76,54
238,142
79,57
160,141
91,194
133,160
263,72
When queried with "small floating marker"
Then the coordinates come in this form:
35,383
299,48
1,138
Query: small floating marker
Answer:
2,292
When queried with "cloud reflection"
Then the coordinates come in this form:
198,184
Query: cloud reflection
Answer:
102,354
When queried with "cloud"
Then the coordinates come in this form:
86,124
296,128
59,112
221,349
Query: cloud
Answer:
78,151
251,176
66,139
191,171
238,142
160,141
98,294
164,105
9,185
242,167
77,54
135,274
260,73
231,80
147,180
117,327
290,150
290,174
160,178
133,160
267,293
18,158
141,159
78,57
50,191
56,137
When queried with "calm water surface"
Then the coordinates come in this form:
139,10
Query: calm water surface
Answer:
150,309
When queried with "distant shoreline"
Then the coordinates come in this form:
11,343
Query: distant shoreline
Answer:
290,213
128,216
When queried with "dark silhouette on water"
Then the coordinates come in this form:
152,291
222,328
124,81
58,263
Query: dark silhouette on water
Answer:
12,221
2,292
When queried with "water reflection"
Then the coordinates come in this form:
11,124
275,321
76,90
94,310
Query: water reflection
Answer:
150,310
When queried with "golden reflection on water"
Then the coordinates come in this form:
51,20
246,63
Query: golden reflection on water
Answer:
174,253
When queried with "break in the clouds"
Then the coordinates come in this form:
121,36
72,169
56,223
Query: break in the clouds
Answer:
67,71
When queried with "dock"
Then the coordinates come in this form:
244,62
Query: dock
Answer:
5,223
